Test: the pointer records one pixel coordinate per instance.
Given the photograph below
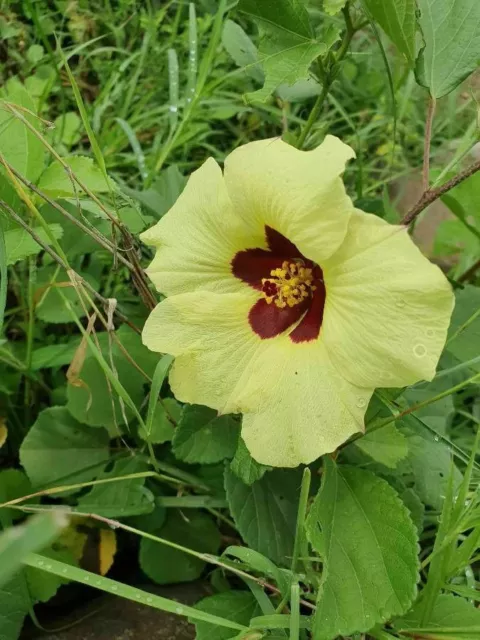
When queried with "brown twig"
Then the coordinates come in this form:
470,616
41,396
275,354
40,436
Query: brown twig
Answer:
62,263
431,195
93,233
428,140
465,277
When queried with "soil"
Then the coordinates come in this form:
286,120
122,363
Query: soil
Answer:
112,618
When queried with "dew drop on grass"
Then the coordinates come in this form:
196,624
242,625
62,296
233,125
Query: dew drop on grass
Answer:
179,610
149,600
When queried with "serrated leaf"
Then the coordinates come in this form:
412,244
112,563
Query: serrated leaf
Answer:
165,565
19,244
238,606
385,445
287,46
370,562
19,145
14,606
121,498
449,611
266,512
333,7
245,467
451,30
57,446
201,436
398,19
56,181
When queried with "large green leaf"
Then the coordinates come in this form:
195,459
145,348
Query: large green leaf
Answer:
288,45
266,512
56,182
398,19
204,437
239,606
385,445
370,558
121,498
19,145
451,30
13,484
449,611
165,565
57,446
19,244
14,606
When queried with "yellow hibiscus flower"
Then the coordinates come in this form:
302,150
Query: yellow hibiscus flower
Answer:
287,304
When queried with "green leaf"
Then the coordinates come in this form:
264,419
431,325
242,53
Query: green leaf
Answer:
245,467
370,563
430,461
203,437
17,542
14,606
464,333
13,484
163,193
43,586
242,50
19,244
451,30
19,145
56,181
239,606
266,512
55,355
50,304
57,446
162,426
288,45
165,565
69,126
121,498
398,19
333,6
94,403
385,445
449,611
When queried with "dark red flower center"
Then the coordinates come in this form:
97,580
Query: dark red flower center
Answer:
291,286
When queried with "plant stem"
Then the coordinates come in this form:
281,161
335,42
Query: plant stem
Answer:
431,195
428,140
328,78
465,277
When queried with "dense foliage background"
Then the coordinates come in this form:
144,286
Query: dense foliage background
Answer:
106,107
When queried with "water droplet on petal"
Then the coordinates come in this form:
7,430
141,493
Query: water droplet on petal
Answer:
400,304
420,350
430,333
361,402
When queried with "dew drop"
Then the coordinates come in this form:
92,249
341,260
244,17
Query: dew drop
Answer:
179,610
87,579
98,583
361,402
400,304
64,570
114,588
149,600
436,438
419,350
40,563
430,333
48,566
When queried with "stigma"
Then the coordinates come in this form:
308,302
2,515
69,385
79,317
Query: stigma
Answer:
289,285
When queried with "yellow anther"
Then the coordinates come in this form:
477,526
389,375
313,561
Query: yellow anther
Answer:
289,285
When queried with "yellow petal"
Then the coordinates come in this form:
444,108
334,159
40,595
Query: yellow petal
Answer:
214,345
311,409
107,548
387,308
3,432
298,193
197,239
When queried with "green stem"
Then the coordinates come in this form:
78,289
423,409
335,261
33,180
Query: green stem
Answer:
328,77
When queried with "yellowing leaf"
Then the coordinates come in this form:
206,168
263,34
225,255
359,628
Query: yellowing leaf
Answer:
107,548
